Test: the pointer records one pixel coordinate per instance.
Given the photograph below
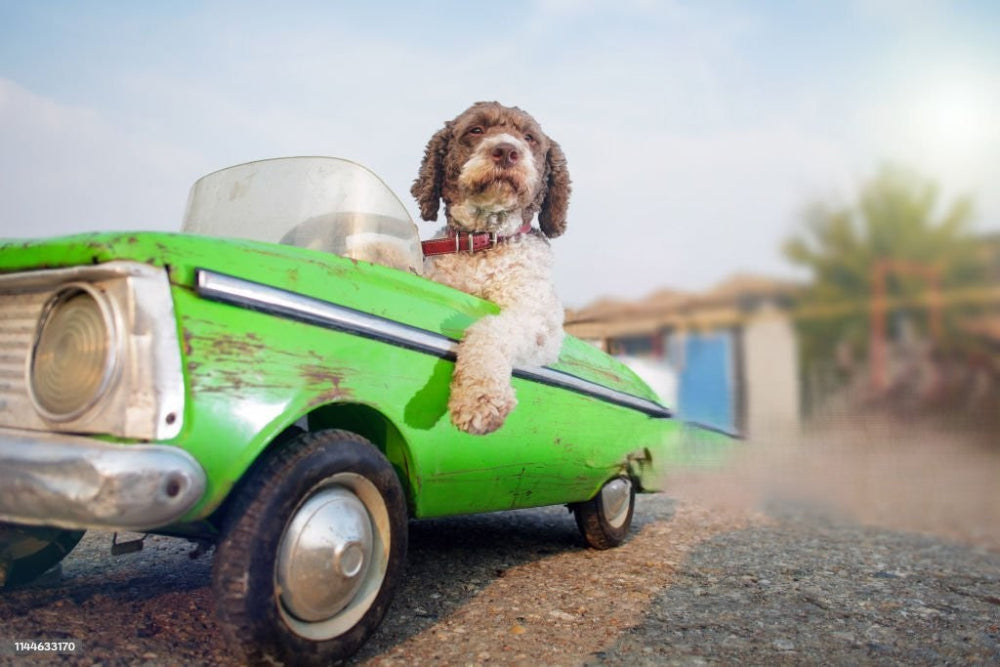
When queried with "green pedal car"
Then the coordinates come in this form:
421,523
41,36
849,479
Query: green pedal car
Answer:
255,384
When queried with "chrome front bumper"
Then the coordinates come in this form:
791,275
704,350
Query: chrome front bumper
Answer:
78,482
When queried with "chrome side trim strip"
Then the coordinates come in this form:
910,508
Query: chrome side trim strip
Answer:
265,298
556,378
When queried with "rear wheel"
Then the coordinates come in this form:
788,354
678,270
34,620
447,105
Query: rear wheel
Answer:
605,520
26,552
313,552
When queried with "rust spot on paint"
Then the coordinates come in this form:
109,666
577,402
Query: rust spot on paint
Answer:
564,446
226,380
241,347
224,362
326,382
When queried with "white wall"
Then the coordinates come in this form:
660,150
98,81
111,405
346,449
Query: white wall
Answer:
771,372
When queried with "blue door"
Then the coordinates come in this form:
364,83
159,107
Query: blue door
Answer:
706,392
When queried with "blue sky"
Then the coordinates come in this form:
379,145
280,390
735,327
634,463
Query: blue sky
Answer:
696,132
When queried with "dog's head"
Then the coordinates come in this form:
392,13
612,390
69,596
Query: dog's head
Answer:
494,168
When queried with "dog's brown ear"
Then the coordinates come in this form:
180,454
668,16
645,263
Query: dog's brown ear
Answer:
427,186
552,216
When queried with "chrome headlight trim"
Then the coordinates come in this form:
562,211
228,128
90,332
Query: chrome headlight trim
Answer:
145,399
110,319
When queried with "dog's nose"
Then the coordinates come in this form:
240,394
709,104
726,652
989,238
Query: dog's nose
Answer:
506,155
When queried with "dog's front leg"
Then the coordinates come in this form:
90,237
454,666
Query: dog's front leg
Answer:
481,392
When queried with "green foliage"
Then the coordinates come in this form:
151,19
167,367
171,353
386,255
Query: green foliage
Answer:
898,217
895,218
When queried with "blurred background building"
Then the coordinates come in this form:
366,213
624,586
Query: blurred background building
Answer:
726,358
758,356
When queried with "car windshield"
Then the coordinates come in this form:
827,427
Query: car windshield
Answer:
322,203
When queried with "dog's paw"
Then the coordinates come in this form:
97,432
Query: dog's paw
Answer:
481,410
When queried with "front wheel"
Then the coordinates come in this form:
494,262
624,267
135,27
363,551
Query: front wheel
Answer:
605,519
313,551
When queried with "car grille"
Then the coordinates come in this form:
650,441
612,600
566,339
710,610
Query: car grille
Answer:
17,331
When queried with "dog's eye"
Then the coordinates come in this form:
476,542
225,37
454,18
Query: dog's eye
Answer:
530,138
475,130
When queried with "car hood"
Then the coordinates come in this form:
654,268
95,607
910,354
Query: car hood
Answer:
370,288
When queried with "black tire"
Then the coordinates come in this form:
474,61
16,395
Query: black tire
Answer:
605,525
262,543
27,553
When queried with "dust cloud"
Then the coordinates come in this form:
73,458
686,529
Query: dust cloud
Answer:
938,477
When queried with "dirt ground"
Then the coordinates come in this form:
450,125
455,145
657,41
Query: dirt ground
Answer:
520,588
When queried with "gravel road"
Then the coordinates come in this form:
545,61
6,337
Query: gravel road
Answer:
811,590
882,549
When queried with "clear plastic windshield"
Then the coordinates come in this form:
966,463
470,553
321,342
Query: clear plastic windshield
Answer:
322,203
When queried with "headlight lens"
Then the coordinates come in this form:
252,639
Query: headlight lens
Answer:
75,356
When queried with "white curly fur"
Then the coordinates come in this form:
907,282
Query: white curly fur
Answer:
528,330
469,165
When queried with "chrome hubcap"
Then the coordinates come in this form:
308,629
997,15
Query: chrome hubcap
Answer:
333,557
324,554
615,500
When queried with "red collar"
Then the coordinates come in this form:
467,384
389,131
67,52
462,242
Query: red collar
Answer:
457,241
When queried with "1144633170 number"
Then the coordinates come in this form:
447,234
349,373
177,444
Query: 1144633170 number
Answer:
28,646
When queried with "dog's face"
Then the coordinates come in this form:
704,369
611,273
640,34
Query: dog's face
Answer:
494,168
498,155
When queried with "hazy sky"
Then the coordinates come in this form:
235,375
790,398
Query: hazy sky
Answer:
696,131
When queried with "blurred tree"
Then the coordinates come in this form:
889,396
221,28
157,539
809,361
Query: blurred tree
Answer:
897,220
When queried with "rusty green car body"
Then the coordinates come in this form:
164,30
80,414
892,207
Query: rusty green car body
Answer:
223,349
251,371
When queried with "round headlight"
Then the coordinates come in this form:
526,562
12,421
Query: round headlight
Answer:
75,355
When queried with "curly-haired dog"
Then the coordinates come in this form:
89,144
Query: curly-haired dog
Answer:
495,168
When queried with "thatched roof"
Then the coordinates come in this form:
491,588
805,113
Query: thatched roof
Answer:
723,305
